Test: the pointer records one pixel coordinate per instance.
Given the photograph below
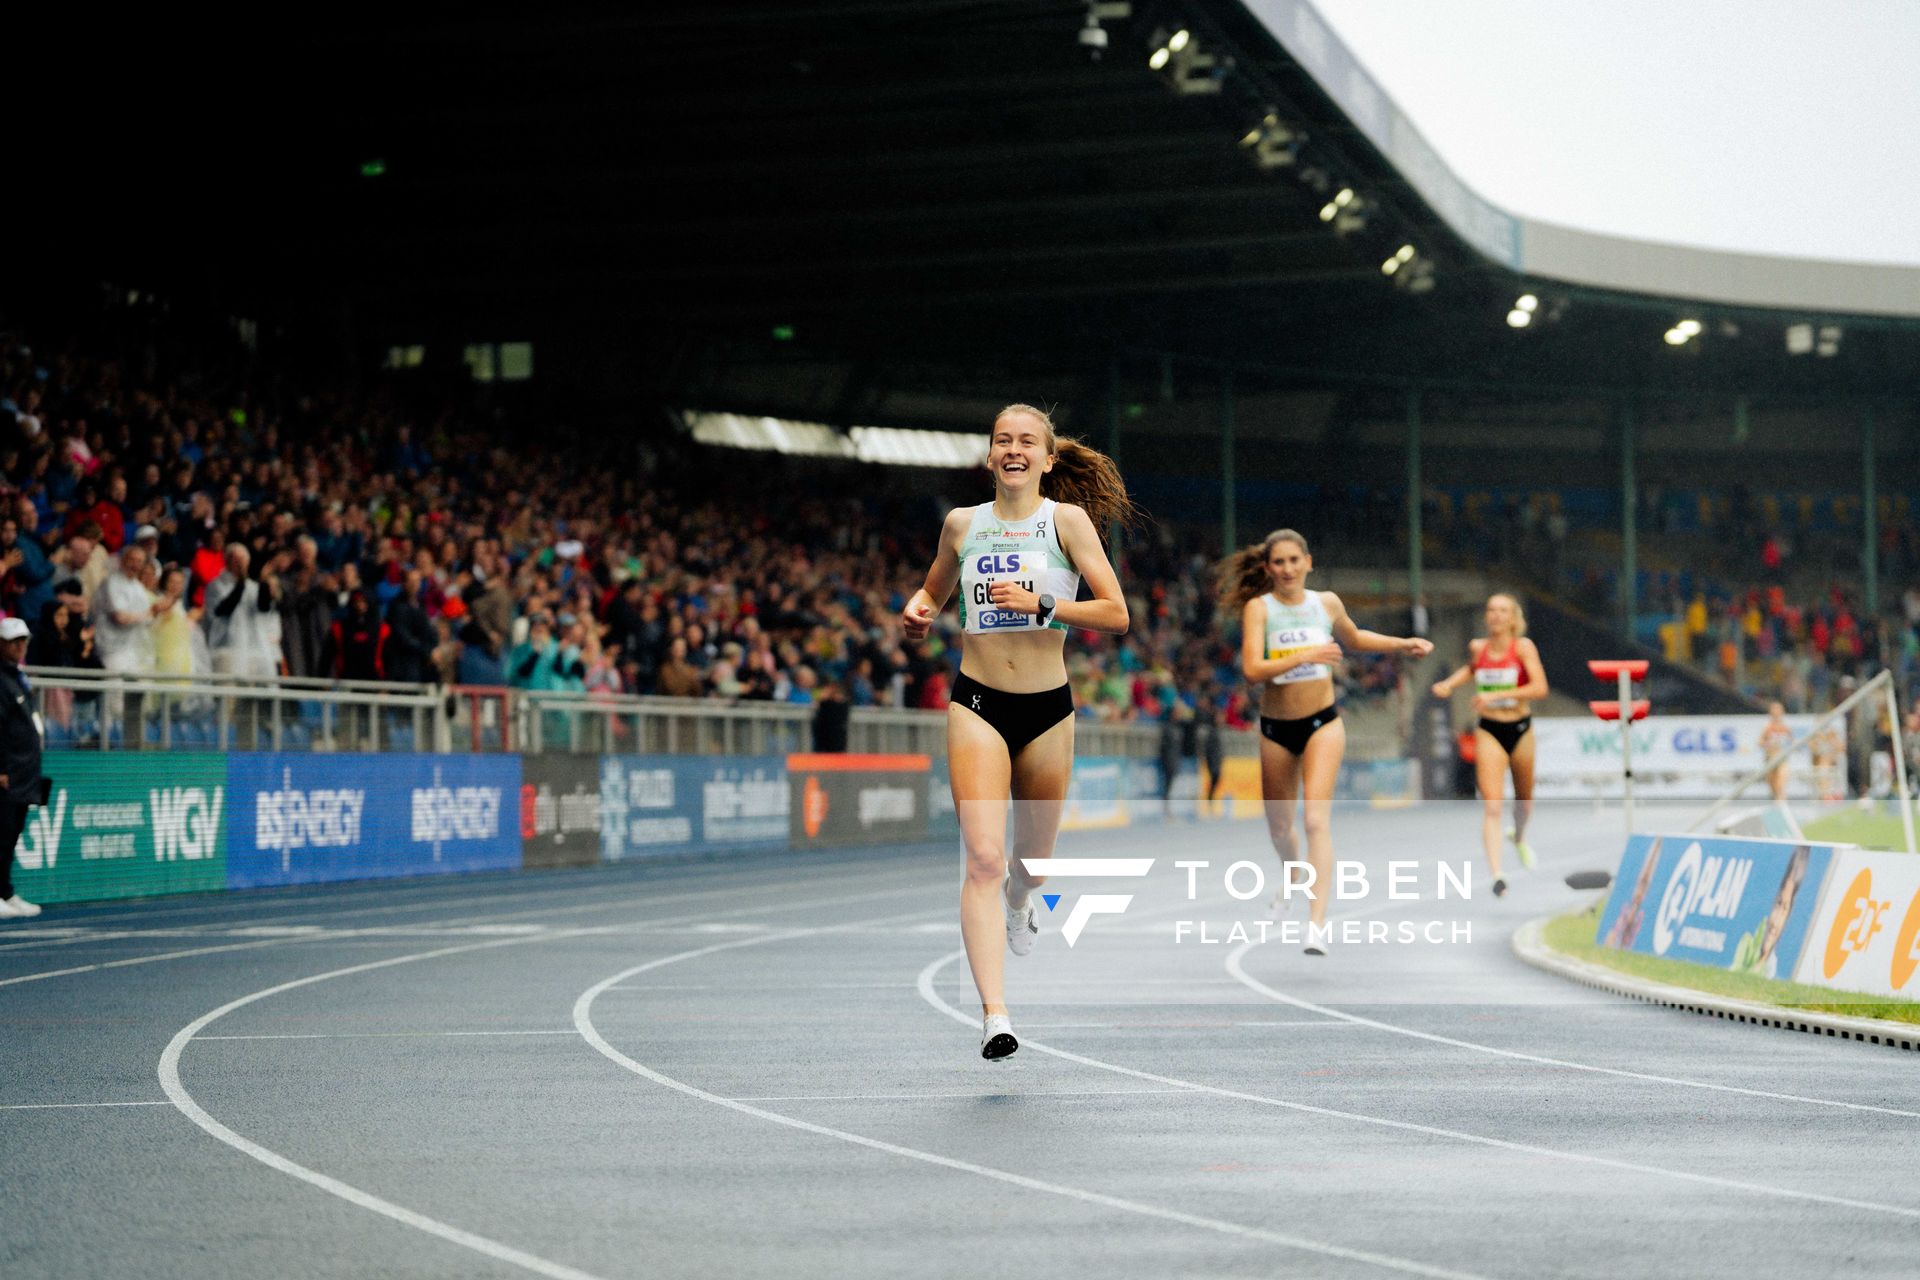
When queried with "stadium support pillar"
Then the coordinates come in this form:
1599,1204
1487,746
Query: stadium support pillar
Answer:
1113,443
1869,516
1414,550
1229,510
1629,525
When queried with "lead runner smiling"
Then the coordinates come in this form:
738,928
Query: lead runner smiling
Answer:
1019,562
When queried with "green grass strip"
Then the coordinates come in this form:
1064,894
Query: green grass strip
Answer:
1572,935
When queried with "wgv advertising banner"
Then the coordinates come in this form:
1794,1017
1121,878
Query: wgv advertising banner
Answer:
299,819
1729,903
681,804
1866,936
125,825
1683,757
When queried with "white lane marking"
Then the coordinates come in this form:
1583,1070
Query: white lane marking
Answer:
933,998
583,1020
62,1106
1327,1023
916,1097
357,934
384,1035
153,959
169,1073
176,1092
1238,970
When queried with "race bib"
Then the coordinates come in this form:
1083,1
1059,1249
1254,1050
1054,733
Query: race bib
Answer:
1023,568
1291,640
1494,681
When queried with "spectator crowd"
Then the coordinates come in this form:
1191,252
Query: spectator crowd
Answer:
182,526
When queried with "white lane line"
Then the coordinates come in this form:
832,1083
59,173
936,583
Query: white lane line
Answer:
1238,970
1327,1023
169,1073
916,1097
357,935
62,1106
583,1020
386,1035
933,998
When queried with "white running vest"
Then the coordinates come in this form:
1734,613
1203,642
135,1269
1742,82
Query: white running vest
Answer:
1024,551
1292,627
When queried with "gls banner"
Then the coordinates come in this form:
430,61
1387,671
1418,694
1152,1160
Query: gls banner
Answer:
1730,903
299,819
1676,756
125,825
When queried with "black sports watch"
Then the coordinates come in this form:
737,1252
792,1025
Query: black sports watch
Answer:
1047,605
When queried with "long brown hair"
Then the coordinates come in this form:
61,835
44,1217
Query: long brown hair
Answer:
1243,575
1082,476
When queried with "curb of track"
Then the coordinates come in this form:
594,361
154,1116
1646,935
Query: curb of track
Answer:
1529,945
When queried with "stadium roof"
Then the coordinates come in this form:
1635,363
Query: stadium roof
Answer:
954,185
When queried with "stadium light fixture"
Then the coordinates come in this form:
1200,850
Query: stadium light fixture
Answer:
1689,328
1404,253
1274,144
1526,302
1799,339
1180,39
1829,341
1329,211
1519,318
1160,58
1390,266
1675,338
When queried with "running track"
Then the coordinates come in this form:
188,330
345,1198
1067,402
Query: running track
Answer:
767,1066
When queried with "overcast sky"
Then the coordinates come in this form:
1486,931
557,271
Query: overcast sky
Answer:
1765,126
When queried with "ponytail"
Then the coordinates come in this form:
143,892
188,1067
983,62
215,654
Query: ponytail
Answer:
1082,476
1243,575
1087,478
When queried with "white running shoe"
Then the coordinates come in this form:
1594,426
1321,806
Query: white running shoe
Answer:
1023,926
18,907
996,1037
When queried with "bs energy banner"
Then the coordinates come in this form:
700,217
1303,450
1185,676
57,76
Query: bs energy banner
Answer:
682,804
1687,757
125,824
297,819
1866,936
559,810
1730,903
857,799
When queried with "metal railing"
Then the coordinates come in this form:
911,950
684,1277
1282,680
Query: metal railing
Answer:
109,711
586,723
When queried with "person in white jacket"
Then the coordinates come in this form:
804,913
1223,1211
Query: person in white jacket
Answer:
243,632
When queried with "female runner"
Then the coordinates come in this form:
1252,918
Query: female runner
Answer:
1506,673
1018,562
1288,638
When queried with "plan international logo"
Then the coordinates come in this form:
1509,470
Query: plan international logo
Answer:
1092,904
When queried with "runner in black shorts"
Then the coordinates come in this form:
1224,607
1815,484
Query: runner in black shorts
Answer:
1018,562
1290,638
1508,679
